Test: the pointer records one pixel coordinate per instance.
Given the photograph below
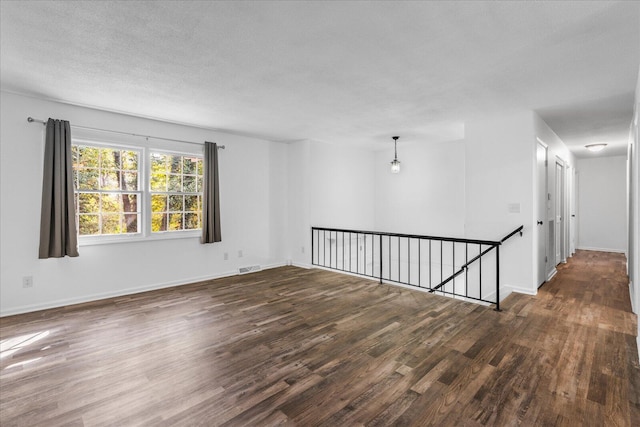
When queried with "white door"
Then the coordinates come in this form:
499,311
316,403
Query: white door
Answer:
559,210
541,227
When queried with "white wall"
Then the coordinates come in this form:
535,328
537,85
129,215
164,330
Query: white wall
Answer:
500,171
341,187
253,213
298,224
602,204
428,195
329,186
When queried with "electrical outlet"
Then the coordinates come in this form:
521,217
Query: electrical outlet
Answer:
302,249
226,256
240,253
27,282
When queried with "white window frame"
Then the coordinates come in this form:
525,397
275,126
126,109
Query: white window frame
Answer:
168,233
144,174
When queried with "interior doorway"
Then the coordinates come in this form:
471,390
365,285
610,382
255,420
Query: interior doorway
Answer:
559,216
541,227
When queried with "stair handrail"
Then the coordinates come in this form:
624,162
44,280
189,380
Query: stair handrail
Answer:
477,257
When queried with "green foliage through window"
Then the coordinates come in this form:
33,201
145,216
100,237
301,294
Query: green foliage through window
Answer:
107,190
176,192
110,199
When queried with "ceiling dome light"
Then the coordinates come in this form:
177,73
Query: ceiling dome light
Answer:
595,147
395,164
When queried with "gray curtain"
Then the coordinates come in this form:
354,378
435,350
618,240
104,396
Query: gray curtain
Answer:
211,200
58,235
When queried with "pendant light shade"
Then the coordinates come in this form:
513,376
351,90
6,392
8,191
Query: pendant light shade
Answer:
395,164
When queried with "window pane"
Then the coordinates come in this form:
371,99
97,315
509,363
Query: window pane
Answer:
175,182
158,203
189,165
111,203
129,160
158,163
88,157
88,179
175,164
131,223
175,221
158,181
191,203
189,182
158,222
129,180
175,204
191,221
200,167
199,187
88,203
130,202
111,224
109,158
109,180
88,224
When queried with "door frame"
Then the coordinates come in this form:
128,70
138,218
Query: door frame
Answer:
541,227
560,212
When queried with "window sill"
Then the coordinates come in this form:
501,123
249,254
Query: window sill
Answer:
139,238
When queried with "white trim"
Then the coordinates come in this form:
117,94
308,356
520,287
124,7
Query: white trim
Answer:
617,251
302,265
492,295
122,292
272,265
520,290
551,274
107,239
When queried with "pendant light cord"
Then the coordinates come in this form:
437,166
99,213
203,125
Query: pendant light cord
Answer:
395,147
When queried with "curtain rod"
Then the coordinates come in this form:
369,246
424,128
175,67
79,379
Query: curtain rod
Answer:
32,120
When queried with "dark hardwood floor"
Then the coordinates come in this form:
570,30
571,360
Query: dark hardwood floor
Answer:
310,347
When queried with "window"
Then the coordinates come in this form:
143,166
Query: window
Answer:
134,193
176,192
107,190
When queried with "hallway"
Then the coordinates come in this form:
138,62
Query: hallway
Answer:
582,326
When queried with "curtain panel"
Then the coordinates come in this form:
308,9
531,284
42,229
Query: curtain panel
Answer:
211,198
58,235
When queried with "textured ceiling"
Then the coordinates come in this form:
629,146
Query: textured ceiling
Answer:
341,72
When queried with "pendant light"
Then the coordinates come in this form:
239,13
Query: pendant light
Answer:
395,164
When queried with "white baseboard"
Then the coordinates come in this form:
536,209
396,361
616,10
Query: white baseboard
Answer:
588,248
274,265
122,292
520,290
301,265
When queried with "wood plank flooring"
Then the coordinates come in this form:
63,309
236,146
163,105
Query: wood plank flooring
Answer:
309,347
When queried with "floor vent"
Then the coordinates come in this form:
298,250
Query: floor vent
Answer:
251,268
